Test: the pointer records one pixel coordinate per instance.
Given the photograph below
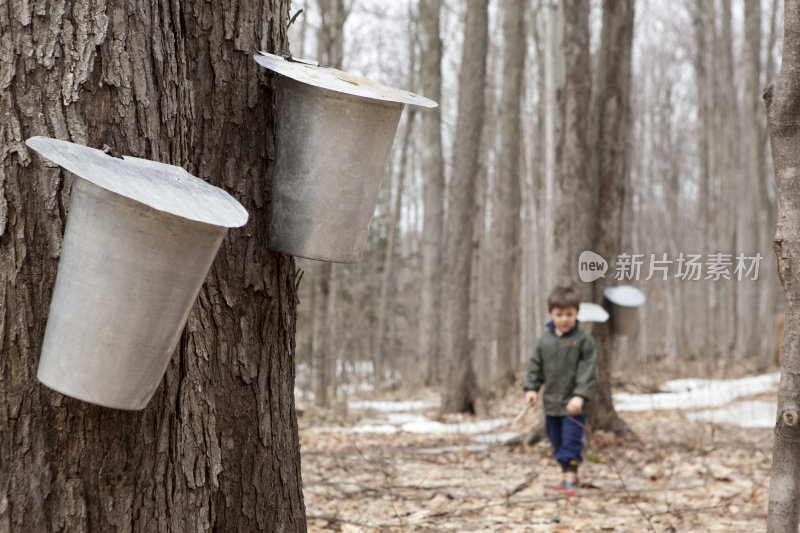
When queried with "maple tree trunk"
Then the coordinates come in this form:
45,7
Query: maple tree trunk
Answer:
575,188
217,447
783,123
433,175
508,211
460,387
611,126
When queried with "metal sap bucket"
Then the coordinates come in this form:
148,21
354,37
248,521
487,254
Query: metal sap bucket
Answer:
139,240
334,134
625,301
591,312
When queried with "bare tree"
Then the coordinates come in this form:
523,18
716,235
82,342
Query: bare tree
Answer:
575,189
433,174
611,121
508,209
217,447
460,388
783,123
330,52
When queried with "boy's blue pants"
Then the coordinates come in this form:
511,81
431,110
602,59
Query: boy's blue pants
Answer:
566,436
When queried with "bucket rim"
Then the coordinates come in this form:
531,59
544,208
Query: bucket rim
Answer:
163,187
337,80
625,296
592,312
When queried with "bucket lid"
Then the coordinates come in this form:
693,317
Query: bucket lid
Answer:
336,80
625,296
163,187
591,312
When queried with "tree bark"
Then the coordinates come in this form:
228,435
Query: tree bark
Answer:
611,127
509,198
460,388
575,190
433,175
217,447
783,123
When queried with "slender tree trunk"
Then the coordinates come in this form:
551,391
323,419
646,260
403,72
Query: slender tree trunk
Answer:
611,130
320,355
783,122
433,174
460,389
217,447
509,187
703,61
330,52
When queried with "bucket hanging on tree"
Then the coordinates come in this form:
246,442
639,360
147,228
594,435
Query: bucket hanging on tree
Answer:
333,137
139,241
625,302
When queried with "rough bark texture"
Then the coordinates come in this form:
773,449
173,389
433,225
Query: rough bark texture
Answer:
611,120
575,191
508,210
783,123
433,174
460,388
217,447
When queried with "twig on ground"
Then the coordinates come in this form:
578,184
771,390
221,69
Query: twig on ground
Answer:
386,476
631,499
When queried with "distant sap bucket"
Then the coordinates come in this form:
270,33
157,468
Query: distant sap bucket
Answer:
129,273
591,312
334,135
625,301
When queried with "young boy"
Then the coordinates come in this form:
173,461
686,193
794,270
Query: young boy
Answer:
564,361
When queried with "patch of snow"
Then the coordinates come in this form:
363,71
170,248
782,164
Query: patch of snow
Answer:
404,418
742,414
454,449
472,428
368,428
418,424
697,393
497,438
393,407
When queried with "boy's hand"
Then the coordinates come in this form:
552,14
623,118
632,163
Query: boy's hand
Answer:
531,397
575,405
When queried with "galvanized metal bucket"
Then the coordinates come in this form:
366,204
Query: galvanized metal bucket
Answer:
591,312
139,241
625,301
334,134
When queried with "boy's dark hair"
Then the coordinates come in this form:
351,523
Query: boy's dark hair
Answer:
564,296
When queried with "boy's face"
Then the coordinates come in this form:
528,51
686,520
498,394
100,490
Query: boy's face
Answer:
563,318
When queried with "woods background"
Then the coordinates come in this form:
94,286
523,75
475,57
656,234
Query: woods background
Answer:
698,181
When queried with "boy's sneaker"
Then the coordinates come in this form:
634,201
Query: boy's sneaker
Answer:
571,483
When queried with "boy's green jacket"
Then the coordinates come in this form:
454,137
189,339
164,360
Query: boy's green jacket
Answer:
566,365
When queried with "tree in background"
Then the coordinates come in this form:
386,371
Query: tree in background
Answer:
783,123
575,189
330,52
507,210
610,139
433,176
460,388
217,447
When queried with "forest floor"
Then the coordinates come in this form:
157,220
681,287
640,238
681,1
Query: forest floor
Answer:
362,472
